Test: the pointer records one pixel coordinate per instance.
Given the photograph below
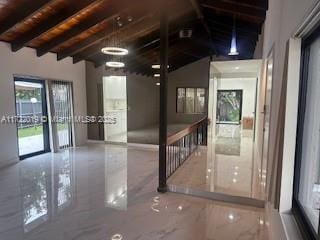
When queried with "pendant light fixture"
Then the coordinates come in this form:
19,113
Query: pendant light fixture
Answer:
115,64
233,47
113,46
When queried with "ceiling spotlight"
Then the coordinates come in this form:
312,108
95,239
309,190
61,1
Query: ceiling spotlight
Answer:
156,75
117,237
233,48
115,51
120,24
237,68
158,84
156,66
130,18
115,64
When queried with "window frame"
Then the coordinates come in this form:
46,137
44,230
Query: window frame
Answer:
302,219
240,91
185,99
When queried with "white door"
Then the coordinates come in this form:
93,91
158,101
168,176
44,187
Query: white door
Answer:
266,120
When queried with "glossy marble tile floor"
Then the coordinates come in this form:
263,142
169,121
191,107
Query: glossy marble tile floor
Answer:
108,192
228,165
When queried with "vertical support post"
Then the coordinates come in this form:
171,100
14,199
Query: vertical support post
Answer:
163,97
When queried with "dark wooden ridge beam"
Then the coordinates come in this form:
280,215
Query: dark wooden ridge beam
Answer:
45,26
23,12
200,15
236,9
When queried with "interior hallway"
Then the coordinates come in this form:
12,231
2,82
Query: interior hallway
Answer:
109,192
229,165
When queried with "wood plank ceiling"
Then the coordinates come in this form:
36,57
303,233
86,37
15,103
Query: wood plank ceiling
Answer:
80,28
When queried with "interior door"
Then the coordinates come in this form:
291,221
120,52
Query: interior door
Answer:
266,120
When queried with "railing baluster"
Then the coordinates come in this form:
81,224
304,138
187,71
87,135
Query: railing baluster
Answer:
182,144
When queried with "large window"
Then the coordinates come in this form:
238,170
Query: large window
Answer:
306,203
191,100
229,106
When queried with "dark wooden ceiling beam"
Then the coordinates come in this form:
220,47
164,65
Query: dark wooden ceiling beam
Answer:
96,40
257,16
254,4
218,26
188,48
198,10
142,28
107,13
22,13
126,36
45,26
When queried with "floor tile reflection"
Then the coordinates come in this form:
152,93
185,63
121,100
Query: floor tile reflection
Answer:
108,192
229,165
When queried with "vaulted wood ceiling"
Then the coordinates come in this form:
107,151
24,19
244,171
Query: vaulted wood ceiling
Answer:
80,28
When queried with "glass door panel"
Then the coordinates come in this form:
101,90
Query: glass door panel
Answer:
31,109
62,105
309,182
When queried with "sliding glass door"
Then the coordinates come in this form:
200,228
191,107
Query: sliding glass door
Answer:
306,203
31,110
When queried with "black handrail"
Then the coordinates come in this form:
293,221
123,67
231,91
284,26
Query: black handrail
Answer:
182,144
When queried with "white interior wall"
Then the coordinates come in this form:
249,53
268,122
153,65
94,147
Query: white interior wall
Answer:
282,20
194,75
25,62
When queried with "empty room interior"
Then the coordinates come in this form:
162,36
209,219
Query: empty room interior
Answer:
159,119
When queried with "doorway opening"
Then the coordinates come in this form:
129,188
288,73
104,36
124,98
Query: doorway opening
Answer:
115,108
31,110
229,167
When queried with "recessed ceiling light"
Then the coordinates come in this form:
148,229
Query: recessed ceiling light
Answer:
117,237
237,68
158,84
156,66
